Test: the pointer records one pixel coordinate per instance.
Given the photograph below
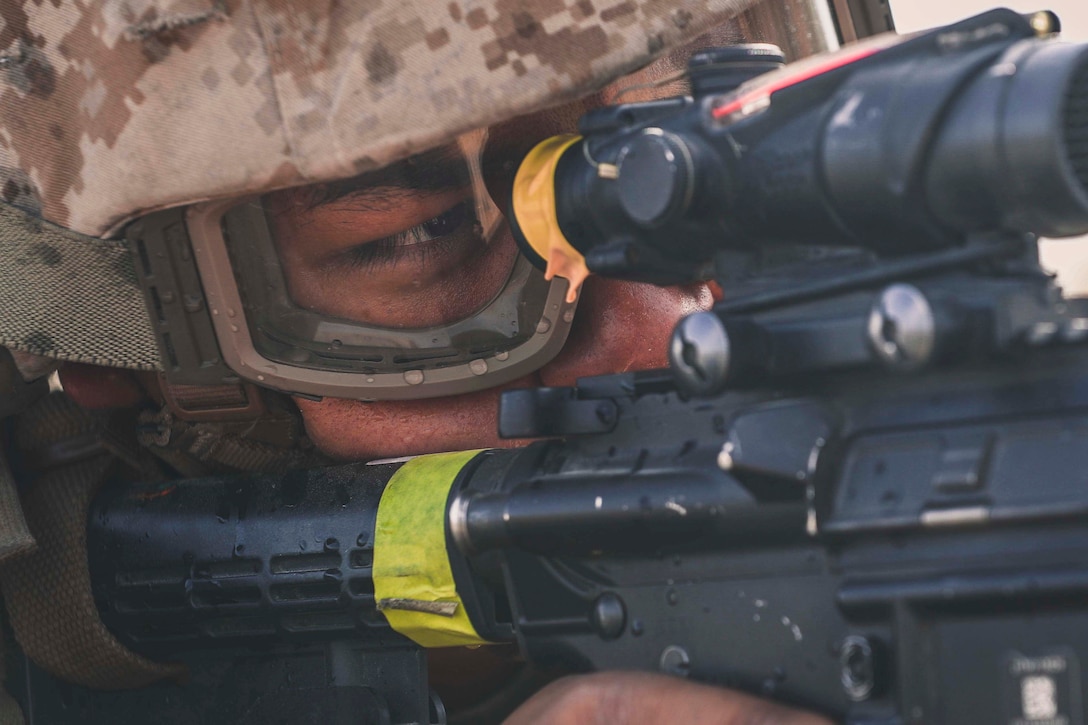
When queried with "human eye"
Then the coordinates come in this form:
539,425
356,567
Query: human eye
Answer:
417,245
421,244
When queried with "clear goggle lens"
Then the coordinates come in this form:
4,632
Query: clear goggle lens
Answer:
400,283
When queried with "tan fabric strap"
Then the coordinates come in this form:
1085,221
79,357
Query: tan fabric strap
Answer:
48,593
15,538
71,297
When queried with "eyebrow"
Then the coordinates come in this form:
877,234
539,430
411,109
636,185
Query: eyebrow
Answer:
436,170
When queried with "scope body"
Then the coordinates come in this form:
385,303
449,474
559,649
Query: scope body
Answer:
898,146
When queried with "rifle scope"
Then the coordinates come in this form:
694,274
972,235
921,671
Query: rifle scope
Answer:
899,145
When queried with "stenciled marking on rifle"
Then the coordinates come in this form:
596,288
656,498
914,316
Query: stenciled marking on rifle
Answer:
955,40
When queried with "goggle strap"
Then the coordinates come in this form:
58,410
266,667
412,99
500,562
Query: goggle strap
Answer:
72,297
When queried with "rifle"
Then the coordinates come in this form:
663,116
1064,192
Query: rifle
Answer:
857,489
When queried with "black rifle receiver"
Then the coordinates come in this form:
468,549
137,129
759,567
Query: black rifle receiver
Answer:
860,489
881,549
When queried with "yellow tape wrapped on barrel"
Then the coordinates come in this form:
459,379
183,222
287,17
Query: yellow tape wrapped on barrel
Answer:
413,582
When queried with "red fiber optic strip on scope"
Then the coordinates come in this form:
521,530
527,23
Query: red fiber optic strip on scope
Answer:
833,61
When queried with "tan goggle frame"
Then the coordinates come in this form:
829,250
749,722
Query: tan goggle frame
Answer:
241,353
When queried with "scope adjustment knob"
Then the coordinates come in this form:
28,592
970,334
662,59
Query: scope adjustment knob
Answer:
902,328
656,178
700,354
723,69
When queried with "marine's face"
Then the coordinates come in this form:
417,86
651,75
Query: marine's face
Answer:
413,246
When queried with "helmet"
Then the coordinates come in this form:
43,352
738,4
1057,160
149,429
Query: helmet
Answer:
143,144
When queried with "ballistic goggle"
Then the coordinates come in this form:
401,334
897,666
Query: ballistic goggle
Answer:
399,283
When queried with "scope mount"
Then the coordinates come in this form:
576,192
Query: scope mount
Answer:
804,311
988,297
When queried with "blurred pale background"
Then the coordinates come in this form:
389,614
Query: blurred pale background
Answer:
1069,257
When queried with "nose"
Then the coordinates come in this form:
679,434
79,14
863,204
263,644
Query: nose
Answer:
622,326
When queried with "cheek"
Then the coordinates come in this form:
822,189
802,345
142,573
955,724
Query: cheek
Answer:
622,326
352,430
99,388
